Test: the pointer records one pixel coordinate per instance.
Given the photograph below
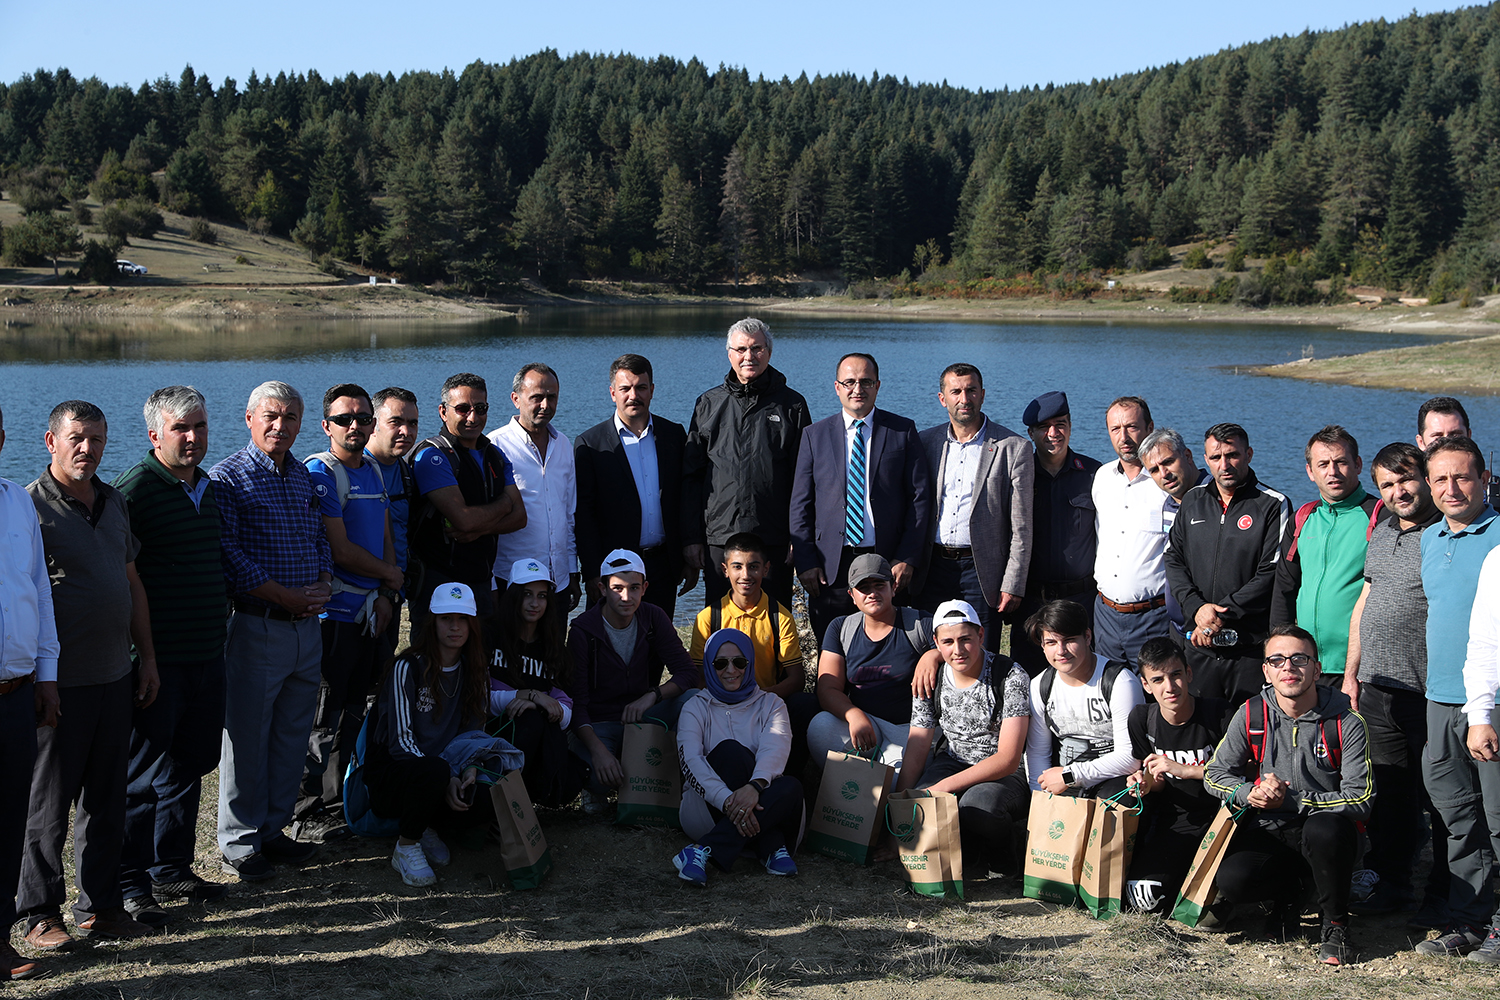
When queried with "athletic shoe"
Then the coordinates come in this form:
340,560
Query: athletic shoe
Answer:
433,846
191,888
409,860
1489,952
147,910
594,804
1458,939
1361,884
1337,948
321,828
780,863
286,851
1431,915
1284,923
1215,917
691,864
250,868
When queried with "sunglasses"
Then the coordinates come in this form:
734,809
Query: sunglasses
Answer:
463,409
725,662
345,419
1299,660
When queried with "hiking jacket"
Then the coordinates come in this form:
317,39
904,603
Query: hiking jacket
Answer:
602,685
740,460
1322,571
1228,555
1296,752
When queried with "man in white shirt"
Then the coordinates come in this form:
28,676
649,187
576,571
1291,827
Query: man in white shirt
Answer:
28,691
1130,521
543,462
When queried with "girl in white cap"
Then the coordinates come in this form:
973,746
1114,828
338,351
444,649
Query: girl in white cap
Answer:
435,689
532,711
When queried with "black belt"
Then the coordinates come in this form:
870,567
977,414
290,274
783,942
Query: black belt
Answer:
652,551
6,687
953,551
1065,588
264,611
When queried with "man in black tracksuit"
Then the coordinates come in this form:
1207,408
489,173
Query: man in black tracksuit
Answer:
739,462
1221,566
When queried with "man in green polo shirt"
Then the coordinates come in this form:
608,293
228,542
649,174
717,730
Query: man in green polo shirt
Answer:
174,741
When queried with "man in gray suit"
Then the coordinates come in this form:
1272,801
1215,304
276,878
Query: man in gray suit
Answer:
982,473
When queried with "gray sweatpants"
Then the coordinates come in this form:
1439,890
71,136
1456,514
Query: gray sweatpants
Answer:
1466,793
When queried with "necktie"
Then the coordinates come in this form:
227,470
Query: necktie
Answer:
854,494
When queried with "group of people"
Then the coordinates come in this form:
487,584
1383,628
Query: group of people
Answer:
1178,634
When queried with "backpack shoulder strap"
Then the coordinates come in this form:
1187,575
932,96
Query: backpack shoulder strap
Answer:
1377,514
715,617
1336,748
774,609
1049,676
1256,730
847,630
1107,681
335,469
1303,513
917,628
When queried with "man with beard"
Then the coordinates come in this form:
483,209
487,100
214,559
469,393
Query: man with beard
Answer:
1168,460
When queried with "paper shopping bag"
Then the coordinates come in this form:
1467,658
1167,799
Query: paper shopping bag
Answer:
1057,830
846,821
1198,888
925,825
651,790
1106,856
523,846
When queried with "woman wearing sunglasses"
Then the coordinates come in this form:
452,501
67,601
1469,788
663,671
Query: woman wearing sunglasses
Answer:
733,739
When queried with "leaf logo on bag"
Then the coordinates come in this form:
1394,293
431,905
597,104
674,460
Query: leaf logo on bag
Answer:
516,808
1093,835
1055,831
1208,838
653,756
850,790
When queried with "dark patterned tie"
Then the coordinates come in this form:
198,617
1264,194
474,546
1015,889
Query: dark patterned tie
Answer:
854,496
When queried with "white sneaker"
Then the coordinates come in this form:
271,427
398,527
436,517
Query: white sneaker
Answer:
432,845
409,860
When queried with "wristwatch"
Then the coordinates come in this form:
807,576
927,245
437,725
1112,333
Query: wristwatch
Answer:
760,783
1068,778
394,596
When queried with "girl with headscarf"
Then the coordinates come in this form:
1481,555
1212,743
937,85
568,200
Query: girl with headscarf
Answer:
733,740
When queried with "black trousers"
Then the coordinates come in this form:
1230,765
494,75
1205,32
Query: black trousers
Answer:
780,816
988,815
1397,724
1165,843
17,762
552,774
1232,673
82,761
1268,861
1023,650
778,583
409,790
349,671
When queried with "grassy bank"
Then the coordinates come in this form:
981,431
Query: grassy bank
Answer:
1465,367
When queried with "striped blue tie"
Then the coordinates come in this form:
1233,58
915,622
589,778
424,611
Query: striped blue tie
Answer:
854,496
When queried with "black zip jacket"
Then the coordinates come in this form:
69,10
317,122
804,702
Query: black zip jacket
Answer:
1228,556
740,460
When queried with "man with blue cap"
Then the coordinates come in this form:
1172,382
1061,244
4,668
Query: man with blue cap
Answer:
1063,540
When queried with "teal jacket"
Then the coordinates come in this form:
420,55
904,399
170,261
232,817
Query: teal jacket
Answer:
1322,570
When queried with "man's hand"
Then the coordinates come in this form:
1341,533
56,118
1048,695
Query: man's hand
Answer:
607,768
861,731
638,708
149,684
1008,602
901,574
394,579
456,788
48,708
1269,794
1483,744
689,579
573,592
384,611
693,556
740,809
811,579
1351,688
1208,622
306,602
1052,781
1142,782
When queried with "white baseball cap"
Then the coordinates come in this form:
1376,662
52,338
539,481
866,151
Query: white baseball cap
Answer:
453,599
954,613
528,571
622,561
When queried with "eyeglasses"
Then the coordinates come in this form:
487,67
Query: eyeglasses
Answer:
850,384
464,409
725,662
1299,660
345,419
754,350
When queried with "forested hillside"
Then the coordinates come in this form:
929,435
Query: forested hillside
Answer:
1373,150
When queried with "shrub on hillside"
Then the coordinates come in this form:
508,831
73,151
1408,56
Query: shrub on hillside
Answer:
131,217
1197,259
1148,256
1236,259
98,264
199,231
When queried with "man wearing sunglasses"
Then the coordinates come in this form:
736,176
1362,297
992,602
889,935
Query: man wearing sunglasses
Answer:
1296,754
468,498
366,592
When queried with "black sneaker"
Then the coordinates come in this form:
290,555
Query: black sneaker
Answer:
147,910
251,868
286,851
1430,916
323,828
1337,947
1284,923
192,888
1489,952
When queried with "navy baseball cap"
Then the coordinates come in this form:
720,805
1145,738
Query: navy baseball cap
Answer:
1047,406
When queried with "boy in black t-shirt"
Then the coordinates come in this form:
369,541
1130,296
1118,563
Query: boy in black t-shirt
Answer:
1173,739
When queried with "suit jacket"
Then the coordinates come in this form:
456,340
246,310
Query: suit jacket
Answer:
1000,520
609,504
896,483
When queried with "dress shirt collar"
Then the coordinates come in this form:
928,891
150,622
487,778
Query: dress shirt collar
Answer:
623,430
979,435
257,457
868,418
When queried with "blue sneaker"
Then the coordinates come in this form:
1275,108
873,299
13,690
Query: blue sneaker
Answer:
692,863
780,863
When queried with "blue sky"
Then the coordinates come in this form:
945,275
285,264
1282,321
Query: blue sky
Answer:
970,43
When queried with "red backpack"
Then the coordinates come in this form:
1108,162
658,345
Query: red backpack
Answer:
1257,737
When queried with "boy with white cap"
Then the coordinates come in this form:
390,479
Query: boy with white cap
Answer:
619,649
977,715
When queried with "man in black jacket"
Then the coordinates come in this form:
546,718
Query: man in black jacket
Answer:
1221,566
629,471
739,463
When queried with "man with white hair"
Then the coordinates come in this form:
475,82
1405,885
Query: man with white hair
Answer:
739,463
279,566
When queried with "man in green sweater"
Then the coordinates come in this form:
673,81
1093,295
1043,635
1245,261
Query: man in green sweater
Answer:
1321,569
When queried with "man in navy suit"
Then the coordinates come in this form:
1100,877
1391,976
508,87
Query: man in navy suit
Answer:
861,486
629,470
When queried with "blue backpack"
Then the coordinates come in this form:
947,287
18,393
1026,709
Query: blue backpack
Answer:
357,812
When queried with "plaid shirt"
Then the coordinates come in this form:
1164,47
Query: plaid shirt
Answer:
272,529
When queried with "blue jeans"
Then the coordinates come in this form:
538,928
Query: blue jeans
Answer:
958,580
612,734
173,744
1119,637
